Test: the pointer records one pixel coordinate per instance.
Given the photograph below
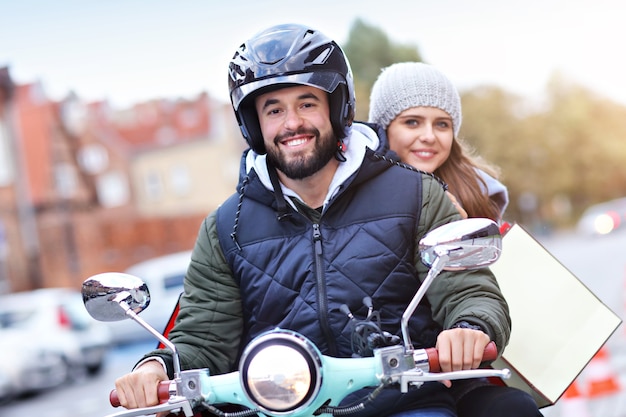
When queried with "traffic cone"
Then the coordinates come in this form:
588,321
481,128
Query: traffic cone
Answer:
573,402
601,379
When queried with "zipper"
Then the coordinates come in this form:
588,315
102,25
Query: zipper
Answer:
322,304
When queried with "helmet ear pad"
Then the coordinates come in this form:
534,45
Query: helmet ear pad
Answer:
341,116
250,127
341,110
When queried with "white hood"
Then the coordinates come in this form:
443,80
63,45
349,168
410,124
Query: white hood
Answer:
496,190
359,137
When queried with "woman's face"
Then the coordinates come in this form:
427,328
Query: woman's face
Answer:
422,137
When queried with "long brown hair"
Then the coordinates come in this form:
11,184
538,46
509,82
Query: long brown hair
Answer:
459,172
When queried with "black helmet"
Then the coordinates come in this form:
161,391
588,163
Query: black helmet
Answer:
286,55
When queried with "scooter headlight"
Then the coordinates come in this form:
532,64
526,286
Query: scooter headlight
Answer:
281,372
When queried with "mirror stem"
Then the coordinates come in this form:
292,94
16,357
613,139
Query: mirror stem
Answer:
434,270
130,313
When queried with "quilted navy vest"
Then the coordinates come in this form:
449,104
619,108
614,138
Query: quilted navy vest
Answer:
296,274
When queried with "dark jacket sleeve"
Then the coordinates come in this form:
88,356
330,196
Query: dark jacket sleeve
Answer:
472,296
208,328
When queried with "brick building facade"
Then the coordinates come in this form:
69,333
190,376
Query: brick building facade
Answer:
86,189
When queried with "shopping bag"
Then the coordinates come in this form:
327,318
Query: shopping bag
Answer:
558,324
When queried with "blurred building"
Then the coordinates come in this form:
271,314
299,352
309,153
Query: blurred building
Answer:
86,189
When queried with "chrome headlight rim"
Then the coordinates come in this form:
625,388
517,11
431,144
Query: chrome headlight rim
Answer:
299,344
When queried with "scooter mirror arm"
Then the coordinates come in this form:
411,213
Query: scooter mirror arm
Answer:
434,270
130,313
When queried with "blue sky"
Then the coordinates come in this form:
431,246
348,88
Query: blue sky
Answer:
126,51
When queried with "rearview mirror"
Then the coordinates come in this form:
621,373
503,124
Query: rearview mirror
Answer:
108,296
114,296
469,244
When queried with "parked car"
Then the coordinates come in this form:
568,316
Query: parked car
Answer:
603,218
47,338
164,276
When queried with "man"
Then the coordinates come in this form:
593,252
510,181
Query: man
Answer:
319,220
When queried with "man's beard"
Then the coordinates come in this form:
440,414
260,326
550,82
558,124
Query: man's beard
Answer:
303,166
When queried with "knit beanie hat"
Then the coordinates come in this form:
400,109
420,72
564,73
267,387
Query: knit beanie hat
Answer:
412,84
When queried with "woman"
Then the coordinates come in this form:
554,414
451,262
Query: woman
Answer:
420,109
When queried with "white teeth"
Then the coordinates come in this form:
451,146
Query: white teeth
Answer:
295,142
424,153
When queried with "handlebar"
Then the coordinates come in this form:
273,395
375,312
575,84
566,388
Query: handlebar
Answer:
165,387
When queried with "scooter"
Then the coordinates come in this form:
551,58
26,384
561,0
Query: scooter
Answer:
281,373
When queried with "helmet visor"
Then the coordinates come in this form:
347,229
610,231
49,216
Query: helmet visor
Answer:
324,80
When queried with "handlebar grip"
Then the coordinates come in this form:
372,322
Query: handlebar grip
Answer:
490,353
163,392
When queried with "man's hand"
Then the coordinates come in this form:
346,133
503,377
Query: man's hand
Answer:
461,349
139,388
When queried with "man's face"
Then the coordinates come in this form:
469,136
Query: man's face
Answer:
296,128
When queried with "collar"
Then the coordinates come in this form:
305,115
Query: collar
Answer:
358,139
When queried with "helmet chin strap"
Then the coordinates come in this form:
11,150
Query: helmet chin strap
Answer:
281,204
